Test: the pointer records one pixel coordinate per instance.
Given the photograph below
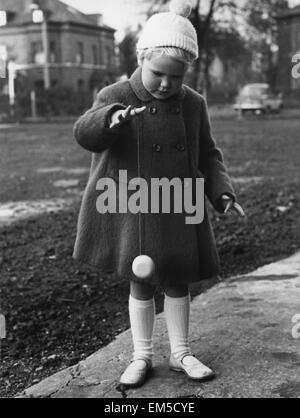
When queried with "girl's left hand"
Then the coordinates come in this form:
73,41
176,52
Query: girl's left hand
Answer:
229,204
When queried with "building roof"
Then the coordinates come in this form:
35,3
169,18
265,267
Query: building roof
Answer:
58,12
290,13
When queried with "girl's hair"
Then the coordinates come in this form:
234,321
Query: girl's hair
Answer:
177,53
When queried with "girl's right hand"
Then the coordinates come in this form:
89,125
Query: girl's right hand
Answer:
125,115
229,204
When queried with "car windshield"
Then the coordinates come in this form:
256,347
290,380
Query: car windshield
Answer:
254,90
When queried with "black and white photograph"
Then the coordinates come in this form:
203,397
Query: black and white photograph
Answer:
150,202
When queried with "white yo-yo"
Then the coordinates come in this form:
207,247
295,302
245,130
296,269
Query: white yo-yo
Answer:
143,266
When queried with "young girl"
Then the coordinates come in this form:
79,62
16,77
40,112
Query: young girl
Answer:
154,126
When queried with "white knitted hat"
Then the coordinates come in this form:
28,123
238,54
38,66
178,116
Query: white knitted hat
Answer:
171,29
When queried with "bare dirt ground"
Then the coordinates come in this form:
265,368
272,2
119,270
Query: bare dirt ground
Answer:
59,312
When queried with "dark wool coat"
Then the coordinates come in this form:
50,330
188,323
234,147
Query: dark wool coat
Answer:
175,140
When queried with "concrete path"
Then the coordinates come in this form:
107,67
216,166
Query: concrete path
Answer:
242,328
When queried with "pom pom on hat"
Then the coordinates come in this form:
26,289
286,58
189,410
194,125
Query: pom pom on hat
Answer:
181,7
171,29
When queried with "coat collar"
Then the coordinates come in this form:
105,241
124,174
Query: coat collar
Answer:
140,91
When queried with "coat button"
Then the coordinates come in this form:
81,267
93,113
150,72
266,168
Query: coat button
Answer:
180,147
157,147
153,110
176,110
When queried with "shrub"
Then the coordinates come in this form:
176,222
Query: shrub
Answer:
58,101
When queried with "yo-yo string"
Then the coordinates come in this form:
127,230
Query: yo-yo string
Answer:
139,176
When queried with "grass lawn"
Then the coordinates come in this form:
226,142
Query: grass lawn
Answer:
59,312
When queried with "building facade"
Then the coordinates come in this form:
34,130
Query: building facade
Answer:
54,45
289,46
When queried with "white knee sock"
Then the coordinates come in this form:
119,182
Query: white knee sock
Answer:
142,318
177,314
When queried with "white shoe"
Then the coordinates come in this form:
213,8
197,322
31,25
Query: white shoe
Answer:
136,373
192,367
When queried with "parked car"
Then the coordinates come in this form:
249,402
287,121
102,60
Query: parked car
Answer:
258,98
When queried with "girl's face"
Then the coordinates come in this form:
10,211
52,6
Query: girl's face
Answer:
163,76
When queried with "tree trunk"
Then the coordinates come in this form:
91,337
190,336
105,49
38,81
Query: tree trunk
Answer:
195,83
202,28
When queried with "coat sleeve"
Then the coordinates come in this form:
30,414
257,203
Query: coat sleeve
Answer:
92,131
211,164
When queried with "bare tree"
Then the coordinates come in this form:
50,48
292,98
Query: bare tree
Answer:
260,18
204,14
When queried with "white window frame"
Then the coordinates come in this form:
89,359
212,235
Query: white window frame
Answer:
3,18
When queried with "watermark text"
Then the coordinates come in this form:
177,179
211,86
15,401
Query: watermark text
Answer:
296,328
184,195
296,67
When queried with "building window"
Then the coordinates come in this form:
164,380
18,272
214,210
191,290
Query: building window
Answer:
95,55
108,56
37,53
6,17
79,54
39,86
52,52
100,56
